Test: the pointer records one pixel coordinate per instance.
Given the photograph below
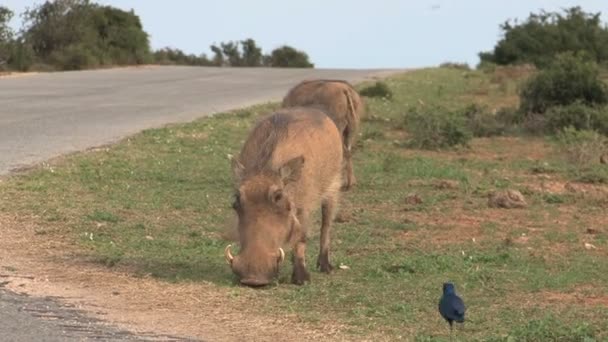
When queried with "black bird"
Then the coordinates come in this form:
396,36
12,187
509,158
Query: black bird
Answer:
451,307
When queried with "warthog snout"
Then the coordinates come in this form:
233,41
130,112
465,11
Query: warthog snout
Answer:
256,272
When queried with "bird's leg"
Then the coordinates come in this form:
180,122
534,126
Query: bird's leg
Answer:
451,332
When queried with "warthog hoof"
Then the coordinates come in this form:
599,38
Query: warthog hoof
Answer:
300,276
324,265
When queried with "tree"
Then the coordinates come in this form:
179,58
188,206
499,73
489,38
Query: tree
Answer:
120,34
288,57
176,56
6,33
6,36
542,36
252,54
232,53
218,56
54,25
75,34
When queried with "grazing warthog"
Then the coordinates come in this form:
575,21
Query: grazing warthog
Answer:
342,103
289,166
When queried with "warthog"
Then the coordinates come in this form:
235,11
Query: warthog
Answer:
342,103
289,165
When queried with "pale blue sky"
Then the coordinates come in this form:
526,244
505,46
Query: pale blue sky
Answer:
339,33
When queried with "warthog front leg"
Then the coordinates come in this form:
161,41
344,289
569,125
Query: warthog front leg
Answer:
328,212
300,275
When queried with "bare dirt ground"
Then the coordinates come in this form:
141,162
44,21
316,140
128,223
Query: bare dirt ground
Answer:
39,265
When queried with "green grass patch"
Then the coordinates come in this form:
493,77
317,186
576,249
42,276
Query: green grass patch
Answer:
158,203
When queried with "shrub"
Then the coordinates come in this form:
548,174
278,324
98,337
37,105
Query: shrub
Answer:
169,55
433,128
288,57
75,57
483,123
6,37
78,34
579,116
542,36
570,78
509,116
580,148
455,65
379,89
22,57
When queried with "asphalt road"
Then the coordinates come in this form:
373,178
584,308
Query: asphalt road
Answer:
26,319
47,115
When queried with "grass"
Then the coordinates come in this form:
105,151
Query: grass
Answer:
158,203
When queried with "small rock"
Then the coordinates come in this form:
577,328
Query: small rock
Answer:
343,267
148,237
343,217
604,158
413,199
592,231
507,199
446,184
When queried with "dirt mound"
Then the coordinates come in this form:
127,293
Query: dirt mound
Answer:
507,199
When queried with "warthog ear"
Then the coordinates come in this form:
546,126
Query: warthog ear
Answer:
238,169
292,170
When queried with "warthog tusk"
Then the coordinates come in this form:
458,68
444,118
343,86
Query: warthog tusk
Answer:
228,255
281,255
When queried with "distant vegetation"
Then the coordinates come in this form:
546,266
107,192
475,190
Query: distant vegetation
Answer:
567,95
378,89
544,35
80,34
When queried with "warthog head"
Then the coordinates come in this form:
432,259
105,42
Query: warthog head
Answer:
266,220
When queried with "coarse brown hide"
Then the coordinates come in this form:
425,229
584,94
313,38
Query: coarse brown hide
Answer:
343,105
289,166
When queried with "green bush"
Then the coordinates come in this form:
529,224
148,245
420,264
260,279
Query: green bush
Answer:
483,123
22,57
455,65
580,148
433,128
542,36
579,116
6,37
79,34
509,116
75,57
569,79
168,56
288,57
379,89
